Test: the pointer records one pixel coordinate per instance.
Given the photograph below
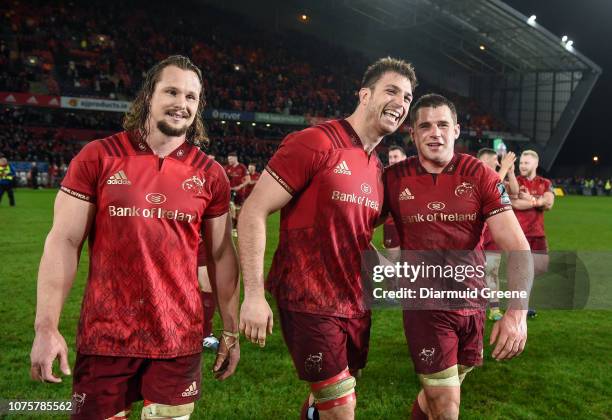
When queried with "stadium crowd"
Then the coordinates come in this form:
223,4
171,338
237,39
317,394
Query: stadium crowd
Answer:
74,49
91,54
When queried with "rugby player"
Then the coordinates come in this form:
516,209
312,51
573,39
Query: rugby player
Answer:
239,179
453,194
536,196
505,169
253,178
327,181
141,198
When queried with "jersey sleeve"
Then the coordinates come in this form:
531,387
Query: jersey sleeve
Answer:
548,186
81,180
220,191
493,196
297,160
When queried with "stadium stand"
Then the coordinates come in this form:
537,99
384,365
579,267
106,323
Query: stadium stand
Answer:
86,49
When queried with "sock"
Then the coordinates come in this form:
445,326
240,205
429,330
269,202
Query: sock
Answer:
417,412
208,307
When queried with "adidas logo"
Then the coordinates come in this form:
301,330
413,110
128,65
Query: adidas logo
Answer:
406,195
192,390
118,179
342,168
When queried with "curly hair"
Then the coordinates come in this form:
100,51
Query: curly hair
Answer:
136,117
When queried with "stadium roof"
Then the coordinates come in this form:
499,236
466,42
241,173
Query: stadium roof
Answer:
449,31
484,49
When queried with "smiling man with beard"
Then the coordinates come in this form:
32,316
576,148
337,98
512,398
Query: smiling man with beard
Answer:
327,181
140,331
453,195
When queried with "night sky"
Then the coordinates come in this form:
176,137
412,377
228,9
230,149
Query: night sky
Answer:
589,24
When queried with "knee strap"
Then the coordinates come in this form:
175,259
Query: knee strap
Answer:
335,391
463,370
152,411
446,377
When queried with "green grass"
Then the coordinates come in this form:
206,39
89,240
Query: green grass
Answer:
563,373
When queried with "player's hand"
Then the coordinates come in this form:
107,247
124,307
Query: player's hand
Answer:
228,356
508,160
509,334
48,346
256,320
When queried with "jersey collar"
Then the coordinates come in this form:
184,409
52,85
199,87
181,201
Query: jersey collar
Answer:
351,133
450,168
142,148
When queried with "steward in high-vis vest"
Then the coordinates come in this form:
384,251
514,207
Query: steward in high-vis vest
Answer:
7,176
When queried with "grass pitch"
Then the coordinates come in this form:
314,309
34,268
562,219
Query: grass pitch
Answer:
563,373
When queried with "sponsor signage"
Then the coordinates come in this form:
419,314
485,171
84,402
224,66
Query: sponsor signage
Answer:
14,98
222,114
264,117
94,104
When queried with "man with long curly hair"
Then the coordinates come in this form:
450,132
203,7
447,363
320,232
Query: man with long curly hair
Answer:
141,197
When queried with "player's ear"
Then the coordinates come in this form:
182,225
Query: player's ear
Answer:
411,131
457,131
364,95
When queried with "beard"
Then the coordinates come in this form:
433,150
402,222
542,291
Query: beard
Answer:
170,131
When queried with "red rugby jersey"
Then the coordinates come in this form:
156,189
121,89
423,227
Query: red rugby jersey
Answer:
337,197
446,210
249,188
236,174
142,297
532,220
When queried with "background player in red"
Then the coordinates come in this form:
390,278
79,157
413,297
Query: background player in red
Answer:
453,196
239,178
327,181
390,237
253,178
505,170
536,195
142,196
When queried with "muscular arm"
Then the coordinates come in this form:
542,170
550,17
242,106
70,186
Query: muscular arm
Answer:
222,266
511,331
513,185
507,162
245,181
546,202
267,197
72,220
523,202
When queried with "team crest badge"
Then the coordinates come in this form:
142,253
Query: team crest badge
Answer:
194,185
427,355
465,189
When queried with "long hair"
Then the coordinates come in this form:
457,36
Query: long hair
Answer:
136,117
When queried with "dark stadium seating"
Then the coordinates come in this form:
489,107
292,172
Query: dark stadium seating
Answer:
96,49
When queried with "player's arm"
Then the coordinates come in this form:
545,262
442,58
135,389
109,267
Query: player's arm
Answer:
524,201
72,220
512,184
545,202
267,197
246,180
510,333
506,163
222,266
